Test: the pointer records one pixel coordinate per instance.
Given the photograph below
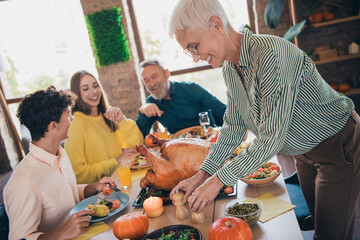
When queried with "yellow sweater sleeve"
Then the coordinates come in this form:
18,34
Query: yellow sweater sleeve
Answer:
91,150
129,134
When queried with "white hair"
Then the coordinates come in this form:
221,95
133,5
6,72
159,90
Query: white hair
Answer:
196,14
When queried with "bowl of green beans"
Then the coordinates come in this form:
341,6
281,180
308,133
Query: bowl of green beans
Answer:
247,209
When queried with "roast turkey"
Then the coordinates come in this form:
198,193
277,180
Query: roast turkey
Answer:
178,159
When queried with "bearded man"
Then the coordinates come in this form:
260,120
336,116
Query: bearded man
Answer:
176,105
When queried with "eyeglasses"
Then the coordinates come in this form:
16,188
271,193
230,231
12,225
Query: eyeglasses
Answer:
192,51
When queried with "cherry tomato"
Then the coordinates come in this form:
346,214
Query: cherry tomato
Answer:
275,167
116,204
228,190
106,191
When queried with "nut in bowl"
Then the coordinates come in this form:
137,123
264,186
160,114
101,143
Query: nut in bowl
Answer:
264,175
247,209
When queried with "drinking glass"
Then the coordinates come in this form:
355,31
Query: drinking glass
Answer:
204,121
125,176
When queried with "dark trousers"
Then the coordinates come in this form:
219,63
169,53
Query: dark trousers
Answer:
329,176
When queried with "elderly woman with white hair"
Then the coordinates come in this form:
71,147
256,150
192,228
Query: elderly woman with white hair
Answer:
275,90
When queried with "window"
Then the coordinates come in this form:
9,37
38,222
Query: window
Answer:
152,19
45,42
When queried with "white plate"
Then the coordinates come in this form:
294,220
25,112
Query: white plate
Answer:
122,197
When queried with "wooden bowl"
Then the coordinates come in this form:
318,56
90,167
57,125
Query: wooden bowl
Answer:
264,180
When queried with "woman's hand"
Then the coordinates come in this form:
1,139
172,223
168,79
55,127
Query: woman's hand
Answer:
189,185
204,194
94,188
114,114
125,153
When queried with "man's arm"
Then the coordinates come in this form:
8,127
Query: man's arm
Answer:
144,123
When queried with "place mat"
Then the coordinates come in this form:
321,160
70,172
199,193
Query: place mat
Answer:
137,174
93,230
273,207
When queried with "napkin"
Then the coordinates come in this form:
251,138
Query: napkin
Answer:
273,207
137,174
93,230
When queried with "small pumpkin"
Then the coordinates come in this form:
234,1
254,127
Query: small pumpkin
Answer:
316,18
230,228
327,16
343,87
334,86
148,140
131,225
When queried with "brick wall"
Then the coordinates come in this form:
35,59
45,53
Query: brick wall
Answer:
121,80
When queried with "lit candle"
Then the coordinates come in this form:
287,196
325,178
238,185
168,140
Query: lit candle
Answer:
153,207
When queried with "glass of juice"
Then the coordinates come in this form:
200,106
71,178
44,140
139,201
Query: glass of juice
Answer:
125,176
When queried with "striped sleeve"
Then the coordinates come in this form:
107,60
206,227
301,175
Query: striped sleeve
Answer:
270,140
230,136
276,107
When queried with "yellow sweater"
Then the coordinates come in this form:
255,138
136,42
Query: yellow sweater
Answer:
92,147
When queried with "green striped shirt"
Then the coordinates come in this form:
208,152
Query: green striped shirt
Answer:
283,100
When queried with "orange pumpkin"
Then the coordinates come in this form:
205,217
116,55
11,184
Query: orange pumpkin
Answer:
131,225
230,228
148,141
327,16
343,87
316,18
334,86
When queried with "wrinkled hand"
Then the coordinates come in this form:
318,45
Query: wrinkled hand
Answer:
114,114
76,225
151,110
125,153
189,185
205,194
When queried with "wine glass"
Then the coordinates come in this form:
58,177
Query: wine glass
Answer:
204,121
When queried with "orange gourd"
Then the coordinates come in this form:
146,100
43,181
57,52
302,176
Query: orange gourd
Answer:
316,18
343,87
148,141
131,225
334,86
230,228
327,16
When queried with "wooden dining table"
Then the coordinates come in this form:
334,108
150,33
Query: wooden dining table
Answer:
281,227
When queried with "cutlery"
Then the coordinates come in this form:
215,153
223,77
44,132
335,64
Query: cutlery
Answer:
115,189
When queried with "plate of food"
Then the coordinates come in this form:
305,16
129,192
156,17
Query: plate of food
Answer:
111,205
264,175
226,191
139,161
242,147
175,232
190,132
194,132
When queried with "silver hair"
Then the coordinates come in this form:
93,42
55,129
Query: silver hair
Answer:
151,62
196,14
